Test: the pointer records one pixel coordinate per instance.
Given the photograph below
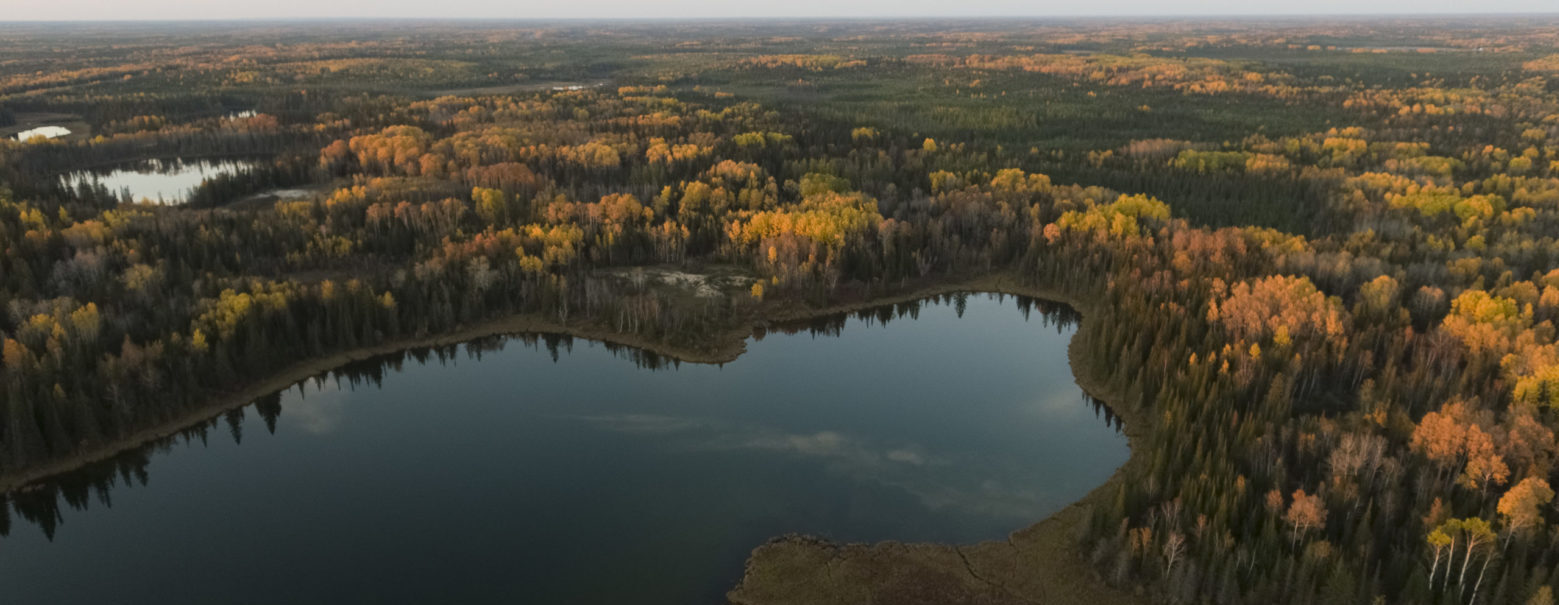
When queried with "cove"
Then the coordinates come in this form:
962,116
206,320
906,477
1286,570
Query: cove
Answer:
546,469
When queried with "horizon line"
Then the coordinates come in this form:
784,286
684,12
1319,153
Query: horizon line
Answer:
781,18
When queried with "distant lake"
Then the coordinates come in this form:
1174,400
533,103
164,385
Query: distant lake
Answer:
47,132
543,469
159,181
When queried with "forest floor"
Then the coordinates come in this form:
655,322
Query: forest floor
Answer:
1037,564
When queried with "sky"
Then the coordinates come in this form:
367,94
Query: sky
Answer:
74,10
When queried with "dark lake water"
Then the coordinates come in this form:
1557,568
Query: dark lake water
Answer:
548,470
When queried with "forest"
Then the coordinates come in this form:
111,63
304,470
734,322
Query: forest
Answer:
1323,256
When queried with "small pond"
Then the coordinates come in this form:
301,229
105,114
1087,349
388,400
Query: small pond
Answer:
47,132
158,181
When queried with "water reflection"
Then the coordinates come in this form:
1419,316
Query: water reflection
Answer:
940,429
47,132
318,406
156,181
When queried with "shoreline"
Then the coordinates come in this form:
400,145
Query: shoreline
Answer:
1039,563
1030,565
303,370
727,346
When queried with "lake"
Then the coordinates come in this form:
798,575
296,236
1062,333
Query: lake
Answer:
160,181
544,469
47,132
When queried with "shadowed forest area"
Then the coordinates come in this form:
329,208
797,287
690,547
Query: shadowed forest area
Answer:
1321,254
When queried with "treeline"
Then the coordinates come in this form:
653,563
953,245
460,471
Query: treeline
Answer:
282,172
1387,436
45,504
1341,342
136,315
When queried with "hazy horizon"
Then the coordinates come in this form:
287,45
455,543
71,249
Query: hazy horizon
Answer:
194,10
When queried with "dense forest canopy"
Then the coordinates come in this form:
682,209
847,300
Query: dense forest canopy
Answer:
1325,254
